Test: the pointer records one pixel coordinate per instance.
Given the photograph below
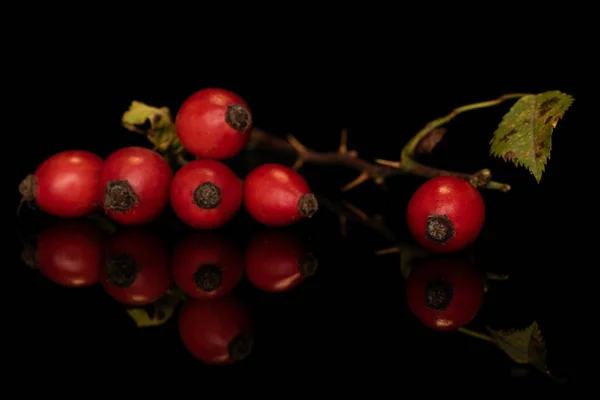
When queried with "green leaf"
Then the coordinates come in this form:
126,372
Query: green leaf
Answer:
408,255
525,134
525,346
161,132
157,313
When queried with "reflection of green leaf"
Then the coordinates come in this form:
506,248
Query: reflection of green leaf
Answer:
161,132
525,134
408,255
157,313
523,346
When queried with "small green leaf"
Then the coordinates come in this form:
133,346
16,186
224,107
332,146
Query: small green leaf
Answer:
157,313
523,346
161,132
525,134
408,255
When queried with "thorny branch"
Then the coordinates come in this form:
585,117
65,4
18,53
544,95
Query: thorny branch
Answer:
423,142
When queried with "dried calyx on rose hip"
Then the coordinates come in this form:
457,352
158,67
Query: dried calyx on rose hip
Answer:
446,214
216,331
134,185
277,261
206,194
207,265
65,184
445,292
135,271
276,195
214,123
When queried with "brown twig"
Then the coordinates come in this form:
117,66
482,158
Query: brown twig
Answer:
349,212
378,172
344,157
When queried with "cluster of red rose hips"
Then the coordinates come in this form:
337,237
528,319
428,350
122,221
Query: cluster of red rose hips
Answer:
134,184
137,268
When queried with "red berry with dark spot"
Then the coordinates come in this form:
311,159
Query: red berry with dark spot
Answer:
276,195
136,269
134,185
65,185
446,214
276,261
206,194
70,253
217,332
214,123
207,266
445,293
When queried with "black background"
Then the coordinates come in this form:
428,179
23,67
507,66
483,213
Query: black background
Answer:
350,322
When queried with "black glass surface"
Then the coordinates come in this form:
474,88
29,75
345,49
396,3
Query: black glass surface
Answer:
350,317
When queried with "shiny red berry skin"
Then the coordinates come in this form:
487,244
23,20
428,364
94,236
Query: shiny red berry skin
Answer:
214,123
276,261
445,293
446,214
134,185
207,266
217,332
70,253
65,184
276,195
136,268
206,194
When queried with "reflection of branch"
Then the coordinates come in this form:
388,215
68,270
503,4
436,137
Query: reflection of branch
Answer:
349,212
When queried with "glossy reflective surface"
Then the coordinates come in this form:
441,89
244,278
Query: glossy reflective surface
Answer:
341,292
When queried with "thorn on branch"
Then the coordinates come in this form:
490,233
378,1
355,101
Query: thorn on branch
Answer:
363,177
344,142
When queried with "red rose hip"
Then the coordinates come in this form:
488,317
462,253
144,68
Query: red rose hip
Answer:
134,185
70,253
446,214
136,268
276,195
207,266
217,332
214,123
276,261
206,194
65,184
444,293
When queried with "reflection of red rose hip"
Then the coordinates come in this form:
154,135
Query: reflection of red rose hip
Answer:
65,184
444,293
134,185
206,194
276,195
217,332
214,123
136,269
70,253
207,266
276,261
445,214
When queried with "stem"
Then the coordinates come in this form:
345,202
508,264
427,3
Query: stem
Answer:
477,335
410,147
408,163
